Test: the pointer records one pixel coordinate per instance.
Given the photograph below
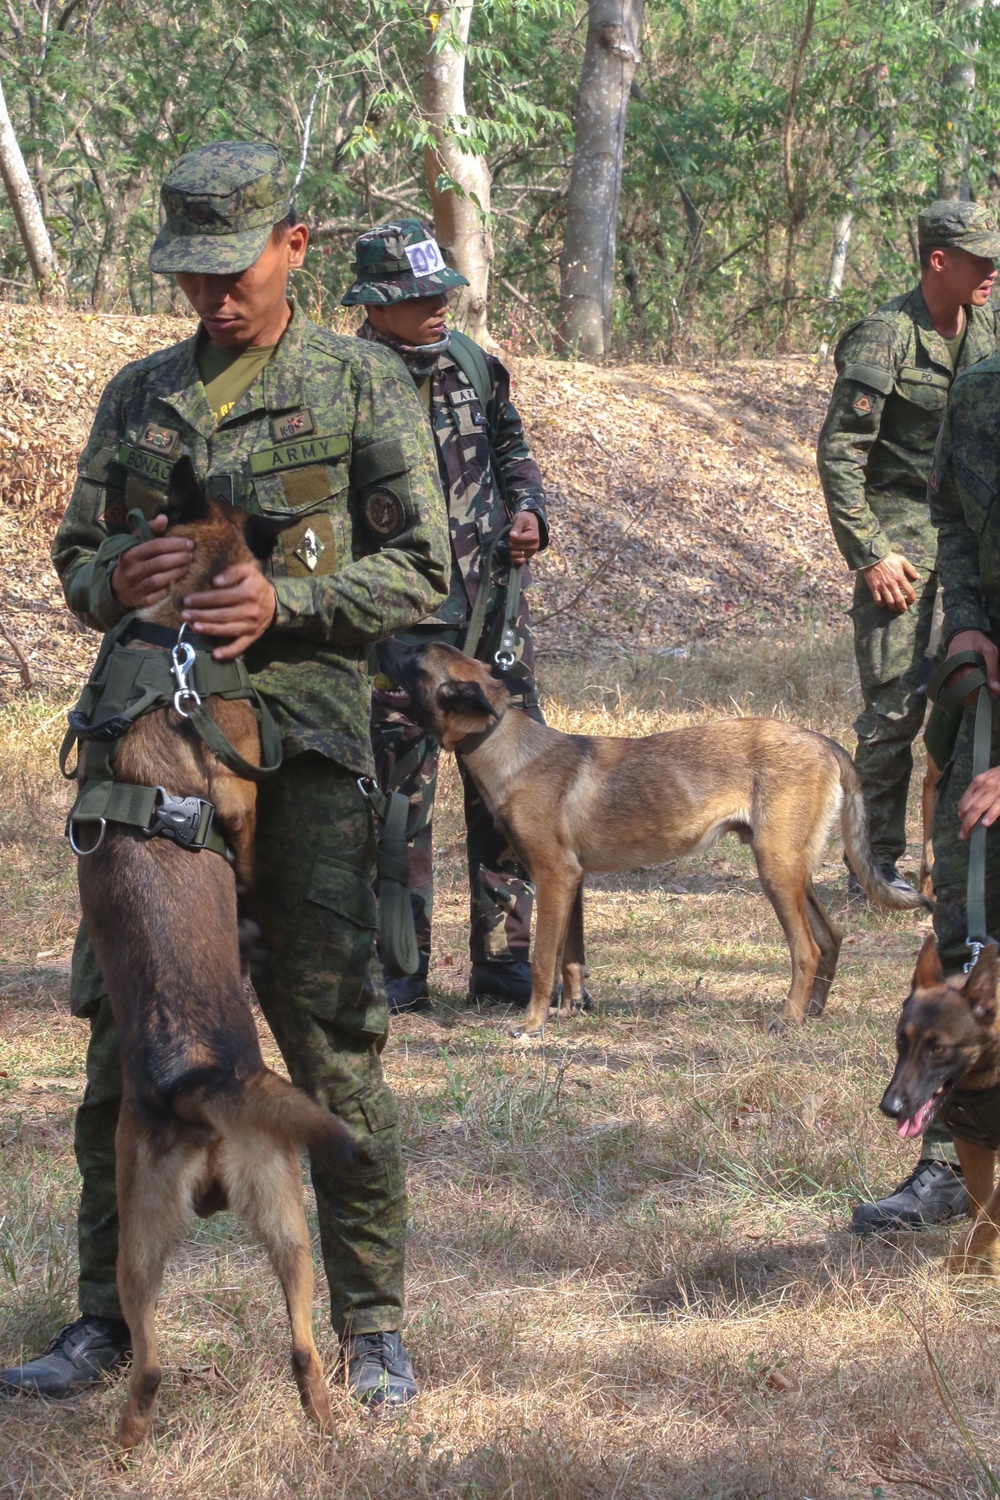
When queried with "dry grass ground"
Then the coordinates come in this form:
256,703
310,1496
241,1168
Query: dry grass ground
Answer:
629,1273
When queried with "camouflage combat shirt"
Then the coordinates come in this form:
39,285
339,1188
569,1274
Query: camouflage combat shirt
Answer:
464,435
962,489
332,436
877,443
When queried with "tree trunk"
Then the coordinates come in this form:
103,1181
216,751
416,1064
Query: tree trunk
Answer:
119,205
461,219
845,220
958,87
587,263
45,267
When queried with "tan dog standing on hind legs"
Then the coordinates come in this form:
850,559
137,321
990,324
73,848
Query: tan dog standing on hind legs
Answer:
204,1124
574,803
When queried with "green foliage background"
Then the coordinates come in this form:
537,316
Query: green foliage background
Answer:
753,125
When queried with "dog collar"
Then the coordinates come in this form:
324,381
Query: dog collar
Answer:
473,741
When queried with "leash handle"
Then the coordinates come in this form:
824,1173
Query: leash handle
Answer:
505,655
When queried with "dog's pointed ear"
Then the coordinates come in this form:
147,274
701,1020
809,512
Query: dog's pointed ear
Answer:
465,698
262,532
981,985
186,501
928,972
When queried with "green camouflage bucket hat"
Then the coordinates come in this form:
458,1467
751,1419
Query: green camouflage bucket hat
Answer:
396,262
221,204
960,226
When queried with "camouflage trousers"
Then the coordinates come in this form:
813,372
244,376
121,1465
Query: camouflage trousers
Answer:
894,668
321,991
406,760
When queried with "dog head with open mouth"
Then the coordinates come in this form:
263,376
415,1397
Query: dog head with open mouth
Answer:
947,1036
444,691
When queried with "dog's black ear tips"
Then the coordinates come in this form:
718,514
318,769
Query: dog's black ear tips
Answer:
466,698
928,971
262,532
185,496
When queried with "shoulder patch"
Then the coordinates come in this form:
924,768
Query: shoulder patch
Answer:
863,404
384,512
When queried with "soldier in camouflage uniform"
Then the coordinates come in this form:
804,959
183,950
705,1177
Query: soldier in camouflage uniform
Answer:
894,371
490,482
963,486
280,417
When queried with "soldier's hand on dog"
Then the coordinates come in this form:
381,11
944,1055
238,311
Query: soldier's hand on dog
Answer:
240,606
145,574
524,537
891,581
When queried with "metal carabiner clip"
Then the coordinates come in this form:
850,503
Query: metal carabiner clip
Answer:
181,665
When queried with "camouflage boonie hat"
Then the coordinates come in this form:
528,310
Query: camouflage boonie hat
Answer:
960,226
221,204
396,262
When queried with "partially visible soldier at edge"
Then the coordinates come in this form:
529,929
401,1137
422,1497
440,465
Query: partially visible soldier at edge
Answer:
490,481
894,371
366,558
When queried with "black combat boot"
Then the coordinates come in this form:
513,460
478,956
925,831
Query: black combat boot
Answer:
408,993
933,1192
501,979
379,1372
79,1356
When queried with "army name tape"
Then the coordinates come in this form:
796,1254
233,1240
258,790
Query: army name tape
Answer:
146,464
290,455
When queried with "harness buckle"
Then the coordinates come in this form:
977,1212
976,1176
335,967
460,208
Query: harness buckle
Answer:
180,819
182,657
975,948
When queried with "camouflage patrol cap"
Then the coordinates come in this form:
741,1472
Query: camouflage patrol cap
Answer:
221,203
960,226
396,262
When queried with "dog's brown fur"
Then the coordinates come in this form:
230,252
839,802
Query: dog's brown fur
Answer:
572,803
928,802
948,1037
203,1124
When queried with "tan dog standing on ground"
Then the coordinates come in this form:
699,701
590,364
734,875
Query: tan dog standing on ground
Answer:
204,1124
574,803
948,1054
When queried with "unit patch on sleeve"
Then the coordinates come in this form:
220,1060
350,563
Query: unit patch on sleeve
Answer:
384,513
293,424
159,440
863,404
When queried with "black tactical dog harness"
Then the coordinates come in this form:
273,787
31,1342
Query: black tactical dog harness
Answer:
973,1115
124,685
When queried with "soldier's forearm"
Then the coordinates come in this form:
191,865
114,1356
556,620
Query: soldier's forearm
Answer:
365,602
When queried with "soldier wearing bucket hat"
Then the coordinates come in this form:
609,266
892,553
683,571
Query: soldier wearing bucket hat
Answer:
279,416
491,483
894,372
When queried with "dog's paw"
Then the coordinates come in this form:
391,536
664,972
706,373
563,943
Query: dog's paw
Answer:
525,1036
970,1261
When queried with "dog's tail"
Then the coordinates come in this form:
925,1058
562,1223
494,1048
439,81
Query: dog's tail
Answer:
268,1103
854,827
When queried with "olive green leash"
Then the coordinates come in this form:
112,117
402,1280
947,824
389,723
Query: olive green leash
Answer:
397,934
948,703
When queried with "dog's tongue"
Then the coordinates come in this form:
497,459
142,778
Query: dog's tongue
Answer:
917,1123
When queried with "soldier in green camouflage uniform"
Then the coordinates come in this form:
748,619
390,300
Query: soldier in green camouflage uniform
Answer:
894,370
963,486
279,417
490,481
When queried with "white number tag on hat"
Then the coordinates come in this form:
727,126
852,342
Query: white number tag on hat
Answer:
424,258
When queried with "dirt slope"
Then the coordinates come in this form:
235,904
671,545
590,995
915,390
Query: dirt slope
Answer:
684,503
